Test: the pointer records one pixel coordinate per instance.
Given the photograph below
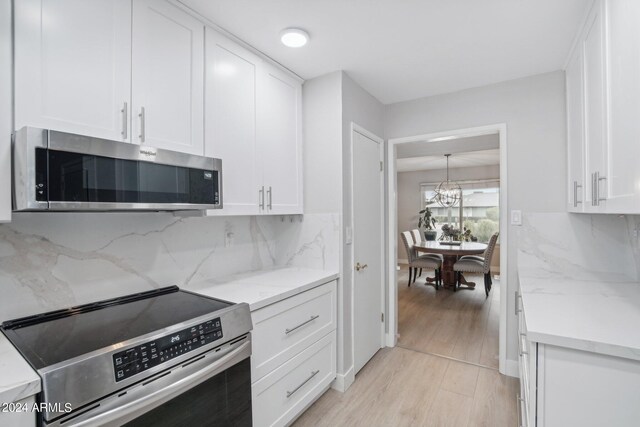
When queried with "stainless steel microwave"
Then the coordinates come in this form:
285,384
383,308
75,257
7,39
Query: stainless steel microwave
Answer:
57,171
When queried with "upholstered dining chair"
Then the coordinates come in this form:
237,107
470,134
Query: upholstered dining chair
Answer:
416,262
476,264
417,238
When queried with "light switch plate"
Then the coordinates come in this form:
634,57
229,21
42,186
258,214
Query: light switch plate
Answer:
348,235
516,217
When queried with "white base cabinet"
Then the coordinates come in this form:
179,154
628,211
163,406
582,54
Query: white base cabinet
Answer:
561,386
19,414
294,354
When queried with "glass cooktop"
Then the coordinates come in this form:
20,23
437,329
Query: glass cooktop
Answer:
50,338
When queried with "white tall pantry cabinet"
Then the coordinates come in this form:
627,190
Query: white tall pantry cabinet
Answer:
603,106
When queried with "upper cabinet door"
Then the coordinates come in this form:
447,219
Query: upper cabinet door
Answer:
73,66
230,122
595,112
279,140
575,133
168,77
623,52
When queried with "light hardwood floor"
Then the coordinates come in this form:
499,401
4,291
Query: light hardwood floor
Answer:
408,387
463,325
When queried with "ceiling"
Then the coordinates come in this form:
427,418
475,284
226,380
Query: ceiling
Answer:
460,160
405,49
451,146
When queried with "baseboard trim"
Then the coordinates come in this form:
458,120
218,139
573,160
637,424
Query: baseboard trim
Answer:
344,381
511,368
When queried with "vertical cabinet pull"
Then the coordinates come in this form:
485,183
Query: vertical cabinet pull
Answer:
142,124
598,179
261,197
270,194
125,121
575,194
594,197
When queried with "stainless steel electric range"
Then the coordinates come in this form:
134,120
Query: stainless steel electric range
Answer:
161,358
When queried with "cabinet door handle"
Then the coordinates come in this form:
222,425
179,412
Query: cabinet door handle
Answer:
261,197
593,189
598,179
270,194
125,121
313,374
575,194
311,319
142,124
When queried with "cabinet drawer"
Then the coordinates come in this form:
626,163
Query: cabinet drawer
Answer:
284,329
281,396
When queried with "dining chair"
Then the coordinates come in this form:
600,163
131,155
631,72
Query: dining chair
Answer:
417,238
416,262
477,265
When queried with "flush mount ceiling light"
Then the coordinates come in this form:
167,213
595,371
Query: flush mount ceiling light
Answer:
294,37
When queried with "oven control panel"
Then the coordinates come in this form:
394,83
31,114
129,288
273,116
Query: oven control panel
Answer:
134,360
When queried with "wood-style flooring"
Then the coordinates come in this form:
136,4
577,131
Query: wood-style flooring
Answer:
463,324
406,386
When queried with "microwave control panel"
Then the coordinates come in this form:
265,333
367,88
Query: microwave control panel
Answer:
134,360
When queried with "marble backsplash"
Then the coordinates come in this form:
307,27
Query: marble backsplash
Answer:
580,246
57,260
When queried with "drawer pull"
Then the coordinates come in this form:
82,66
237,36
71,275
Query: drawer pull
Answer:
313,374
311,319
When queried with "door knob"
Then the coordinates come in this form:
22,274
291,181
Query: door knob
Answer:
360,266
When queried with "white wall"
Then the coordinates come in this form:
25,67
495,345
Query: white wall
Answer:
409,198
533,109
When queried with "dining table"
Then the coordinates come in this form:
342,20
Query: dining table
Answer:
450,253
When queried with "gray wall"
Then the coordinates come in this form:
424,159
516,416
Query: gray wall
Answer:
533,109
409,199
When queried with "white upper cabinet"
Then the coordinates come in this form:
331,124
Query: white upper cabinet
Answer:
575,133
623,48
73,66
230,122
168,77
608,92
279,140
595,112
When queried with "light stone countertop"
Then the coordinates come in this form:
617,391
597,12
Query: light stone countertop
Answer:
263,287
18,379
595,312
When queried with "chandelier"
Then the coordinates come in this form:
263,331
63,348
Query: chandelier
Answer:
448,193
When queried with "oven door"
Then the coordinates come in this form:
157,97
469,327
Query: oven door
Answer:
213,389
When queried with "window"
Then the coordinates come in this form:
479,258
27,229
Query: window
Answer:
479,209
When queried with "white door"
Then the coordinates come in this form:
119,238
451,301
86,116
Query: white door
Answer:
230,122
595,113
279,140
367,248
73,66
575,133
168,77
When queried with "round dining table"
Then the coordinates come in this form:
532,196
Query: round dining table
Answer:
450,254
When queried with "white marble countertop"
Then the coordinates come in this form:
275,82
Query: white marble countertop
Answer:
264,287
17,379
595,312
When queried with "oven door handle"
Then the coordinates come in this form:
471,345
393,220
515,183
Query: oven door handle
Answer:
141,398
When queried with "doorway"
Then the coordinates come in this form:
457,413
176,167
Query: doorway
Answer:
367,189
442,305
